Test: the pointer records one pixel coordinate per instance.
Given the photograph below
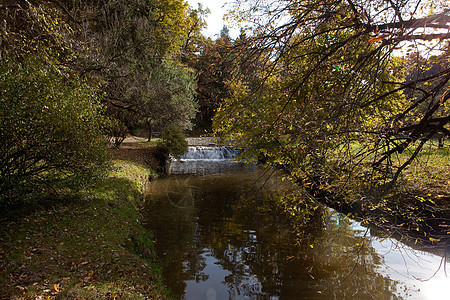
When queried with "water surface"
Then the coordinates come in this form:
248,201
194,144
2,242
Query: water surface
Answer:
218,237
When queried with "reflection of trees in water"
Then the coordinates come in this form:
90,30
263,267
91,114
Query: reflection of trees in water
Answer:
347,260
172,215
311,253
333,262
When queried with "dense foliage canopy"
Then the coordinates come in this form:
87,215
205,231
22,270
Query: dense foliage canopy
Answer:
329,97
51,129
132,46
74,72
214,66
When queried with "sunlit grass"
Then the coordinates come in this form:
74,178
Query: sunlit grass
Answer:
136,173
429,171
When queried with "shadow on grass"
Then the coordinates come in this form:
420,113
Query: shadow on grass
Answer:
80,244
143,153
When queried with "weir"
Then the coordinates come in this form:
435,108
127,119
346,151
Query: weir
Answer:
205,160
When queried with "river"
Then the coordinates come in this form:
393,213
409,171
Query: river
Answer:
224,236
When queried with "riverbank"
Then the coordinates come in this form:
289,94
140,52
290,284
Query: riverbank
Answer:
91,244
88,244
415,210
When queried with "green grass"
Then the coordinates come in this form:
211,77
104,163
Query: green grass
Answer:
91,245
415,208
428,173
430,170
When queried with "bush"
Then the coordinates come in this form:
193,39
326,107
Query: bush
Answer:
51,130
118,133
173,142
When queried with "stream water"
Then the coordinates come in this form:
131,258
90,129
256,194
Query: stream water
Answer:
218,237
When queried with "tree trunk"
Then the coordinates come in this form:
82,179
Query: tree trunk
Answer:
440,142
150,131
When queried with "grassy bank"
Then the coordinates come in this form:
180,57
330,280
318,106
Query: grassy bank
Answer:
415,209
429,174
88,244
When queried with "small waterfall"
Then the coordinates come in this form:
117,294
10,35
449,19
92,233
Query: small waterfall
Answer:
202,160
210,153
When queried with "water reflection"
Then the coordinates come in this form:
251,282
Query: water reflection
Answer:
223,237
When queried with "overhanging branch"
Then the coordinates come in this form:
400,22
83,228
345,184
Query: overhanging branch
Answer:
437,21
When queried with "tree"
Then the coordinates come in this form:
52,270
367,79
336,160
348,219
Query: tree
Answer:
214,65
173,142
40,28
419,70
327,101
194,38
128,46
52,129
168,99
52,124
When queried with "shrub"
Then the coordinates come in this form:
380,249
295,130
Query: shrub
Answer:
173,142
51,129
118,133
